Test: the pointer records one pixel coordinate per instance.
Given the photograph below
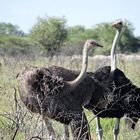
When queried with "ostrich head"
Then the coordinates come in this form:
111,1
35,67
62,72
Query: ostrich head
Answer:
118,24
91,43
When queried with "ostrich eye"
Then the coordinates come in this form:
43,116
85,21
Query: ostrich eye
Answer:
92,43
120,23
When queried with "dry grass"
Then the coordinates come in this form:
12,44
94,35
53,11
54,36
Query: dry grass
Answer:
16,122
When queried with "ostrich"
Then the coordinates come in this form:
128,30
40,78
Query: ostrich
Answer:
104,75
50,95
125,94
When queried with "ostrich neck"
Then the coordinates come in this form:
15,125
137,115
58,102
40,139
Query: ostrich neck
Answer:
113,51
82,74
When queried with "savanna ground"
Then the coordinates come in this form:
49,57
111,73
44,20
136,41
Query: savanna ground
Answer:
17,123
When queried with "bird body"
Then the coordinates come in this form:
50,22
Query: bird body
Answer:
82,94
118,89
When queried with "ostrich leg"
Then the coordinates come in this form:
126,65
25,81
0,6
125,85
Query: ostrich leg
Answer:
66,132
80,127
51,132
99,128
116,129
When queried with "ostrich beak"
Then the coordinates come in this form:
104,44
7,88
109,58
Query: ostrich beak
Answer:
98,45
94,43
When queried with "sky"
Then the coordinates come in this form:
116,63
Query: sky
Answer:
87,13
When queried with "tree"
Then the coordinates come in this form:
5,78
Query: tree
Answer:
10,29
49,33
76,34
129,43
104,33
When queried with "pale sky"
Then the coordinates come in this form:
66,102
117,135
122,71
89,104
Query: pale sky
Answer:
77,12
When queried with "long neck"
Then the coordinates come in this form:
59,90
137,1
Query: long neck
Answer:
82,74
113,51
